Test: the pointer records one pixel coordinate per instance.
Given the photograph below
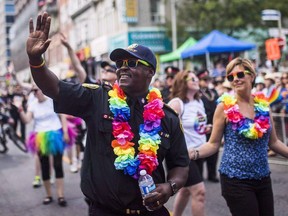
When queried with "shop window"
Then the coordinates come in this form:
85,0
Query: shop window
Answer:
157,9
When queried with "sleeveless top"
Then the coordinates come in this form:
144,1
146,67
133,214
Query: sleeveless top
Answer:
194,122
244,158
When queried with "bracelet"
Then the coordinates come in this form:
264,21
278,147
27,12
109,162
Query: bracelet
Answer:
196,154
173,187
38,66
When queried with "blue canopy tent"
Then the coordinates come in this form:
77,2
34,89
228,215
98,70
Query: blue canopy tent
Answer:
216,42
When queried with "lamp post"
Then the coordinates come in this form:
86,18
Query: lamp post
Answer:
274,15
174,24
174,31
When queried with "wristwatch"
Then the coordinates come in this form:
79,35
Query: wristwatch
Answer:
173,187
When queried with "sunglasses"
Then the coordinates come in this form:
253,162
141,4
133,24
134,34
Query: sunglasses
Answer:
131,63
192,78
205,79
109,70
239,74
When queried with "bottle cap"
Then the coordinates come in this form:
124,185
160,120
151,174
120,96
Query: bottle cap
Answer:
143,172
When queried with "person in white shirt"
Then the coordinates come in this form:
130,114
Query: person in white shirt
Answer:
187,103
47,138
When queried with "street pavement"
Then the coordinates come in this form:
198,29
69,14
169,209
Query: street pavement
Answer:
18,198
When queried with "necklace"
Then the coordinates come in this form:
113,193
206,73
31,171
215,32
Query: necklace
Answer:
149,140
210,98
243,125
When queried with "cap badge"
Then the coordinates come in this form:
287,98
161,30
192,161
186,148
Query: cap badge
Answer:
132,47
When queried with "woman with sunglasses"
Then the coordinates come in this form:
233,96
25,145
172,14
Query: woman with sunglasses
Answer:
187,103
50,136
247,126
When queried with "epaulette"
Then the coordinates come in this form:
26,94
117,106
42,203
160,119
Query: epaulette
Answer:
90,86
107,85
170,109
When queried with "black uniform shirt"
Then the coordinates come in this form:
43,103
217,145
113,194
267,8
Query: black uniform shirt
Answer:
209,98
100,181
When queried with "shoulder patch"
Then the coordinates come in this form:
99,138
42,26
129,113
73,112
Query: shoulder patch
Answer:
107,85
90,86
171,109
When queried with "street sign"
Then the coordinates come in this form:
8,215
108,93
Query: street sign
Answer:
269,14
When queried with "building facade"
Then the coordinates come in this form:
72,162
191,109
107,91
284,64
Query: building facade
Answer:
94,28
6,21
24,10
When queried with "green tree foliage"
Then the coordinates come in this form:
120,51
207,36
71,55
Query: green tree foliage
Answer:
280,5
201,16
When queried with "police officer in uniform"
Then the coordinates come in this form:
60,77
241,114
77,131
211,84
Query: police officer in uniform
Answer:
111,191
209,98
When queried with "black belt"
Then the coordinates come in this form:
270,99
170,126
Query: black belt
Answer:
128,211
133,211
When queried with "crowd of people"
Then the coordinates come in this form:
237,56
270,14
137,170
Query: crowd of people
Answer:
133,126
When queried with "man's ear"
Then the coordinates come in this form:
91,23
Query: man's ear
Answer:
254,78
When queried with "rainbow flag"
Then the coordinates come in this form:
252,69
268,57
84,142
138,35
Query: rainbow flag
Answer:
275,97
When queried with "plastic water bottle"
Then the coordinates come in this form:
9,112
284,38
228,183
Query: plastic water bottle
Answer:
146,183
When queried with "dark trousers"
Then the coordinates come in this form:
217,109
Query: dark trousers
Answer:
212,165
16,118
45,166
199,162
23,130
248,197
95,210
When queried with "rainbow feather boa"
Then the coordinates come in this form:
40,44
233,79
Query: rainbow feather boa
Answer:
241,124
149,137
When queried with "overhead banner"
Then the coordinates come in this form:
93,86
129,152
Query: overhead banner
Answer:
156,40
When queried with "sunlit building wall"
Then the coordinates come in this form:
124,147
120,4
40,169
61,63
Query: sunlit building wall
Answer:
94,28
24,10
6,21
2,42
101,26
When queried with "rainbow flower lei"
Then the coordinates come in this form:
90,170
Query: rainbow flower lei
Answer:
149,138
243,125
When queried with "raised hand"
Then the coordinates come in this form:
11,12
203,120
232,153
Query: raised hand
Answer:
64,40
38,41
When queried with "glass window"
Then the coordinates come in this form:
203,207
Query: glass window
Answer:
9,19
9,8
8,53
154,6
157,11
